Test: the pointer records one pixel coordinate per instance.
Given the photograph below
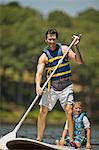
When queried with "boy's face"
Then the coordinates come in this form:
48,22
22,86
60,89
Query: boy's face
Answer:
51,41
77,109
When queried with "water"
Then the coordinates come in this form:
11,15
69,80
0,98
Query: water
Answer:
51,133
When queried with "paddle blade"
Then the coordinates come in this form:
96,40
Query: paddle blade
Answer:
6,138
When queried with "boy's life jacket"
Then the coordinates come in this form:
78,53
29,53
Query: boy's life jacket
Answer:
78,124
63,71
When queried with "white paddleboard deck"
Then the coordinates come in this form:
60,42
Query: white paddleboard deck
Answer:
29,144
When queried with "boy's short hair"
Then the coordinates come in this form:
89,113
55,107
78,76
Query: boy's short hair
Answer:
51,31
81,104
78,102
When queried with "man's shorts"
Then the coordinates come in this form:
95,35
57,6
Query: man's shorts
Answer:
80,139
65,96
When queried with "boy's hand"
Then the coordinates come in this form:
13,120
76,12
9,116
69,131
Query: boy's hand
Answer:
62,142
88,146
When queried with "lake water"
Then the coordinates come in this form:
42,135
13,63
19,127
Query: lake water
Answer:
52,132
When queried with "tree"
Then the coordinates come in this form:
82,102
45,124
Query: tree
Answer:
91,15
59,18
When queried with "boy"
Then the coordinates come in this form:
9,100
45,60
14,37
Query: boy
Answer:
81,129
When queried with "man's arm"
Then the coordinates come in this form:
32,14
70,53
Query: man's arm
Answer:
39,73
74,56
78,56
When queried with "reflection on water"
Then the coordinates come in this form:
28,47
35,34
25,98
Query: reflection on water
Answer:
50,135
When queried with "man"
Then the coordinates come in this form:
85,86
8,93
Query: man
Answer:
60,86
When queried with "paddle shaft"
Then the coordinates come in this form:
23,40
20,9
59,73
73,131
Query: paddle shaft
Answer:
36,98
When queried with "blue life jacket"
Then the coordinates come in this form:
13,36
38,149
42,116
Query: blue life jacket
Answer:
63,70
78,124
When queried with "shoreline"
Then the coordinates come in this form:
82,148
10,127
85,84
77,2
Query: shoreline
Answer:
54,117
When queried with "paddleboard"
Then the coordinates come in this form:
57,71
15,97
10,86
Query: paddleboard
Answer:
29,144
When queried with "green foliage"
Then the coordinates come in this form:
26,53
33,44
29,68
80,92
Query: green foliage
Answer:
19,26
60,19
13,4
90,15
22,33
11,15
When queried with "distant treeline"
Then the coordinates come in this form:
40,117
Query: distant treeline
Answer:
22,33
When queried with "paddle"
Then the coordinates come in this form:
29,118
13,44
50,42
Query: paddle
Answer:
12,135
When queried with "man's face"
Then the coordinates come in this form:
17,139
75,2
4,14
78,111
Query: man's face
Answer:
51,41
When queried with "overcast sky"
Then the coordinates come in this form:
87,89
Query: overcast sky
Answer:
71,7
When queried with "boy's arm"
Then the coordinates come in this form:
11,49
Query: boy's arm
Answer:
88,135
62,140
64,134
88,131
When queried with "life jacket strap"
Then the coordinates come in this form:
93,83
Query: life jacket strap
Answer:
49,71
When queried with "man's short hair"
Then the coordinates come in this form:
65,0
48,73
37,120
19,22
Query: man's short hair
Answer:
51,31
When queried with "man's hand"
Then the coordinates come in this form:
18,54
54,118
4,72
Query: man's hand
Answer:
39,90
77,39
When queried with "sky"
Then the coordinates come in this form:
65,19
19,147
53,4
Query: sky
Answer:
71,7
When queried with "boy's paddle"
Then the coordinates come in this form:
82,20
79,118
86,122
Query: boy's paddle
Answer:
12,135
